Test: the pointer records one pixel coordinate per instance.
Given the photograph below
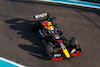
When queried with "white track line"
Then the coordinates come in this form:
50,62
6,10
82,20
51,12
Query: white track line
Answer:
92,5
11,62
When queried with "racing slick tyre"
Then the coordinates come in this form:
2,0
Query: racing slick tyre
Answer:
49,48
53,21
73,42
35,26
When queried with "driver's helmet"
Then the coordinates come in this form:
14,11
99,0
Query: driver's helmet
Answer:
52,30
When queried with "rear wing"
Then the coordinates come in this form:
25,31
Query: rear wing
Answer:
43,15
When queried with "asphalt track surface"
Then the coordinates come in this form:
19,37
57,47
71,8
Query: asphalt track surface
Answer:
19,44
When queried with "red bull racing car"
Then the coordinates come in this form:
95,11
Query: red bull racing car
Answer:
56,45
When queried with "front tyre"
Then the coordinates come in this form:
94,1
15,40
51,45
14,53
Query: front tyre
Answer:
73,42
49,48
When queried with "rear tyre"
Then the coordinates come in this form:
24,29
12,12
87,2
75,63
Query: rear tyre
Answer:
35,26
53,21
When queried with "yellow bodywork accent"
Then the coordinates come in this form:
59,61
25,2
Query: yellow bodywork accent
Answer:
48,25
43,14
65,51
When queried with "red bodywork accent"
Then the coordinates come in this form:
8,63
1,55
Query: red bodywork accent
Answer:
55,35
58,29
57,58
45,22
77,53
44,31
60,41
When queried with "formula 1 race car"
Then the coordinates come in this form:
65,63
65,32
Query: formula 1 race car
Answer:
56,45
